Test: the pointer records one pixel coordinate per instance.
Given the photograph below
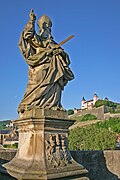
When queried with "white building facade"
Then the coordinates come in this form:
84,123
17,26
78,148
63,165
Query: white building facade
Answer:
90,103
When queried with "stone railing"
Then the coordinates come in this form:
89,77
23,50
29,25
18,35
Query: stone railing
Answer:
102,165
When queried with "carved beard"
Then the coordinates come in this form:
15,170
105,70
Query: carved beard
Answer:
45,33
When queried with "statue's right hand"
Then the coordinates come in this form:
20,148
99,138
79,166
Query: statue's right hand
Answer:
49,52
32,15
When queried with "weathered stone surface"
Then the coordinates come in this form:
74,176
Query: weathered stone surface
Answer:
5,156
99,168
48,71
43,149
112,159
40,113
101,165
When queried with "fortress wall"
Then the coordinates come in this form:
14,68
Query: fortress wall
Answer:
98,112
116,115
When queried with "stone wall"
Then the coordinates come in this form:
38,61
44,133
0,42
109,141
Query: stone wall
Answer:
98,112
5,156
102,165
101,113
112,115
116,115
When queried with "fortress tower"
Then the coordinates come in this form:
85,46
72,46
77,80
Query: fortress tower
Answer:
95,98
90,103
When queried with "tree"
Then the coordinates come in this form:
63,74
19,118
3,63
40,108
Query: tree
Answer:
70,112
91,138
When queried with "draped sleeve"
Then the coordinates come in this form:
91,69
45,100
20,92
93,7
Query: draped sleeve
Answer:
28,44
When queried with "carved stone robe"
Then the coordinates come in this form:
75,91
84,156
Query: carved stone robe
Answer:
48,71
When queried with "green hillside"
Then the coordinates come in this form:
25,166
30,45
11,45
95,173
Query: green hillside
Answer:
99,136
112,106
3,124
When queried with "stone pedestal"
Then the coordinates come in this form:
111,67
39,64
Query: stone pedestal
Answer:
43,149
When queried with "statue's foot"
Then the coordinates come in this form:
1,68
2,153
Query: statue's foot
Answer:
58,108
55,108
62,109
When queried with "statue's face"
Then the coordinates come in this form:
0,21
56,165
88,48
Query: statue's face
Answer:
44,35
45,25
45,32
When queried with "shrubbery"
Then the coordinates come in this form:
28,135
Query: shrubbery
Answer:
70,112
13,146
112,124
106,103
91,138
3,124
88,117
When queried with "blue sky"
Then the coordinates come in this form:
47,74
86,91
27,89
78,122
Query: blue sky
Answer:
94,52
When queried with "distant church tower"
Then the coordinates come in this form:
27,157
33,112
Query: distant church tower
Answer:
95,98
83,103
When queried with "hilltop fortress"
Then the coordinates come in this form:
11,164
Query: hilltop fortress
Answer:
101,111
90,103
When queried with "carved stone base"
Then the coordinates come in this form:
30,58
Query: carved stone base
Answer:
43,149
